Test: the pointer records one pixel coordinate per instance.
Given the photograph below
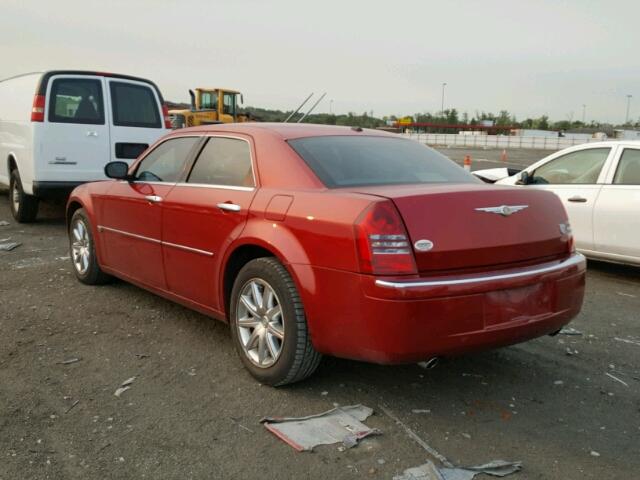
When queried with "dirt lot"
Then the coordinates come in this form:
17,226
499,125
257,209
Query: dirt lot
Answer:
193,412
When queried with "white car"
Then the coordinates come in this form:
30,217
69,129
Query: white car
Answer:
59,129
599,185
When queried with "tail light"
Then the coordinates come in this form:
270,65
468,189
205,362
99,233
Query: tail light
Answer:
565,230
37,110
165,114
383,244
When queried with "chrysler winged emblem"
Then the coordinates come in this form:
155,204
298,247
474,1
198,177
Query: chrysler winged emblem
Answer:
504,210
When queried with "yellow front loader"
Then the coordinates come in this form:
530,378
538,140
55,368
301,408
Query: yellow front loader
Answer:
209,106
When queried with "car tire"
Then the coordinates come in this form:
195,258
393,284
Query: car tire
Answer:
275,347
82,251
24,208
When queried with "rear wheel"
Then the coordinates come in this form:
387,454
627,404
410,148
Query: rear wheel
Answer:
268,324
83,252
24,208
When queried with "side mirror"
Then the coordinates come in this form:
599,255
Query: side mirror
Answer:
525,178
117,170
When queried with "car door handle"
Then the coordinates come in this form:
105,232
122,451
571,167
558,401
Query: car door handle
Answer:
153,198
577,199
92,133
230,207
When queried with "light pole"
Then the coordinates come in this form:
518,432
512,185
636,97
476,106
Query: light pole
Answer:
626,120
442,104
584,112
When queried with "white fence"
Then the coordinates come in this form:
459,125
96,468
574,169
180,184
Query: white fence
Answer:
497,141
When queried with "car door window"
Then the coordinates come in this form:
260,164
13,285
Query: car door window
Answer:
166,162
76,100
628,171
581,167
224,161
134,106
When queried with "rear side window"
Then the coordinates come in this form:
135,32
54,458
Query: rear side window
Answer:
166,162
349,161
628,172
76,100
224,161
134,106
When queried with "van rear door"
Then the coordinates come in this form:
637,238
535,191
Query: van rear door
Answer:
136,117
74,138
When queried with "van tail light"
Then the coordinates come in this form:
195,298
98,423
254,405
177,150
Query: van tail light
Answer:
383,244
165,114
37,110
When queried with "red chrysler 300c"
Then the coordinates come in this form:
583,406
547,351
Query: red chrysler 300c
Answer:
314,240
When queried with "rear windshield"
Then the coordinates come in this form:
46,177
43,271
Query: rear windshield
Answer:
353,161
134,106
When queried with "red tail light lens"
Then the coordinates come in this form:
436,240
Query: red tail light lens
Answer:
165,114
383,244
37,110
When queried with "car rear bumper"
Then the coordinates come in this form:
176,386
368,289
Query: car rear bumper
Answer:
395,320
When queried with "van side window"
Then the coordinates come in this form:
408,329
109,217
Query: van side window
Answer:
134,105
76,100
224,161
166,162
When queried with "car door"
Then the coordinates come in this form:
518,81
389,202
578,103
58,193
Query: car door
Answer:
576,178
136,117
617,211
203,215
75,135
130,214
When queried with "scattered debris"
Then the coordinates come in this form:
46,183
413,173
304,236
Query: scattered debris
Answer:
126,385
593,453
7,247
3,223
432,451
558,382
616,379
420,410
625,340
142,355
622,294
570,331
569,351
428,471
341,424
69,361
72,405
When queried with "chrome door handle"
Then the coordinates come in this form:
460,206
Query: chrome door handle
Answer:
92,133
577,199
153,198
230,207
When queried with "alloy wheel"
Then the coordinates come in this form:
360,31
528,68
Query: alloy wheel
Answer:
15,196
80,247
260,323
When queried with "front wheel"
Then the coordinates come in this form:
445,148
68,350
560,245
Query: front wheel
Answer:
268,324
83,251
24,207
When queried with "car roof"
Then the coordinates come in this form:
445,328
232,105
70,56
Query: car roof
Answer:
288,131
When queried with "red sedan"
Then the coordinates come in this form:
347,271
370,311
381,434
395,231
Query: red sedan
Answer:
314,240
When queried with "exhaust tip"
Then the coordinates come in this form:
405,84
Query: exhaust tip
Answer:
429,364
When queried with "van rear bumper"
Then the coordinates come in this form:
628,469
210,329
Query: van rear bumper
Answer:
53,189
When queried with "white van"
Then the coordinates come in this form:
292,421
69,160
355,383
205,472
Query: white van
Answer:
58,129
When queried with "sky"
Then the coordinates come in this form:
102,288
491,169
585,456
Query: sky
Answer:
531,58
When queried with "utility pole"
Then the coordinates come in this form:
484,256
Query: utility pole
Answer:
584,112
626,120
331,106
442,104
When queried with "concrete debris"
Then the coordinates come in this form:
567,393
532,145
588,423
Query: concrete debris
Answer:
70,361
341,424
570,331
128,382
420,410
3,223
126,385
616,379
569,351
625,340
7,247
593,453
428,471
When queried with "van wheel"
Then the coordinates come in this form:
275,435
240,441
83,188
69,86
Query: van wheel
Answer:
268,324
24,208
82,251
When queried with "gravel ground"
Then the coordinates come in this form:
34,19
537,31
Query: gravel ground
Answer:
568,407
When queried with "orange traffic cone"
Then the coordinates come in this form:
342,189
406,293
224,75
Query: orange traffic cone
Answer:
467,163
503,157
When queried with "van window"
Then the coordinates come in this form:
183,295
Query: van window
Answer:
224,161
166,162
76,100
134,106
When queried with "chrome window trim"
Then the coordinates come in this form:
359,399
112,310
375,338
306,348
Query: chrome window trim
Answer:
207,185
575,259
102,228
235,137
